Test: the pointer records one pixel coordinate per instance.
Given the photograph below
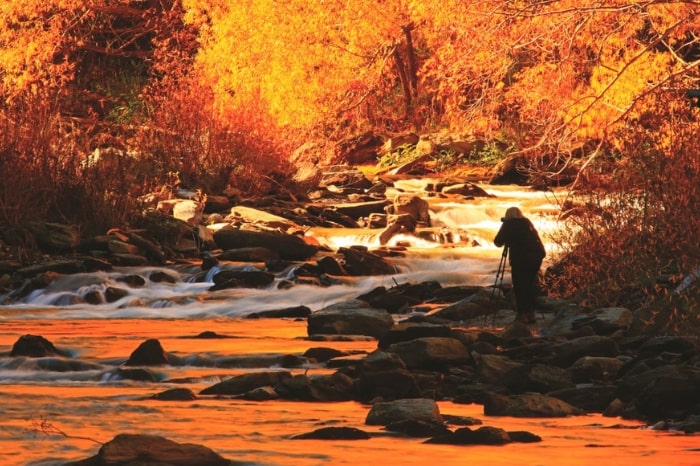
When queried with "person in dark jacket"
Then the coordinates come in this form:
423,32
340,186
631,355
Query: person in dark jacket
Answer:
526,251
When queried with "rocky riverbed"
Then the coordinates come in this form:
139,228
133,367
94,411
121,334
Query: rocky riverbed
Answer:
433,341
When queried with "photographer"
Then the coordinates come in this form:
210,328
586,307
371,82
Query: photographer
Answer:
518,234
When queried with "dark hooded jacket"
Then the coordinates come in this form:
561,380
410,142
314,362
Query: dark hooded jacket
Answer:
521,238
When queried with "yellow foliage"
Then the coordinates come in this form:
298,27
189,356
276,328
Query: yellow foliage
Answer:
522,70
32,43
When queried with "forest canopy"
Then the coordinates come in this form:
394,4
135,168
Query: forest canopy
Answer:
554,73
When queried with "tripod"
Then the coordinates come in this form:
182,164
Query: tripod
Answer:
499,276
501,270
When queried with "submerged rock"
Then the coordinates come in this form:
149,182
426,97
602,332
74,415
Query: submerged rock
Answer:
34,346
334,433
149,353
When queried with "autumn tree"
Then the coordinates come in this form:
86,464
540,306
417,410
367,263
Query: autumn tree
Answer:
72,73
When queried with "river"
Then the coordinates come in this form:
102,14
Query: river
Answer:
50,417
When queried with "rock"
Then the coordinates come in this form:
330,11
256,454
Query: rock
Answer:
379,360
151,248
690,425
492,367
333,387
416,409
406,331
396,300
478,304
129,260
140,449
393,143
416,208
570,351
135,281
665,392
359,262
516,330
254,216
119,247
113,294
669,344
528,405
522,436
484,435
140,374
149,353
350,318
175,394
323,354
590,398
418,428
344,177
357,210
416,167
595,369
253,254
360,149
539,378
266,393
34,346
246,382
216,204
431,352
511,170
187,210
63,267
289,247
607,320
334,433
386,385
64,365
55,237
227,278
468,190
289,312
397,224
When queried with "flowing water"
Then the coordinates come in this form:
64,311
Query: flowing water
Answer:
48,417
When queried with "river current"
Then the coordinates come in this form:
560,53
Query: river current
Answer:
49,417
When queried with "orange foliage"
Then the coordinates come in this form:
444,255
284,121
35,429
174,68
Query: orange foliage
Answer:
535,73
218,84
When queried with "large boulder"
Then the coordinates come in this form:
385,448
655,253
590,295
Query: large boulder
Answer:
353,317
289,247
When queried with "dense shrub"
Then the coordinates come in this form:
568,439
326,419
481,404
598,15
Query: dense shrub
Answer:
633,234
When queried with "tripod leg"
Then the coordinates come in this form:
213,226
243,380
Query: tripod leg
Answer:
499,275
